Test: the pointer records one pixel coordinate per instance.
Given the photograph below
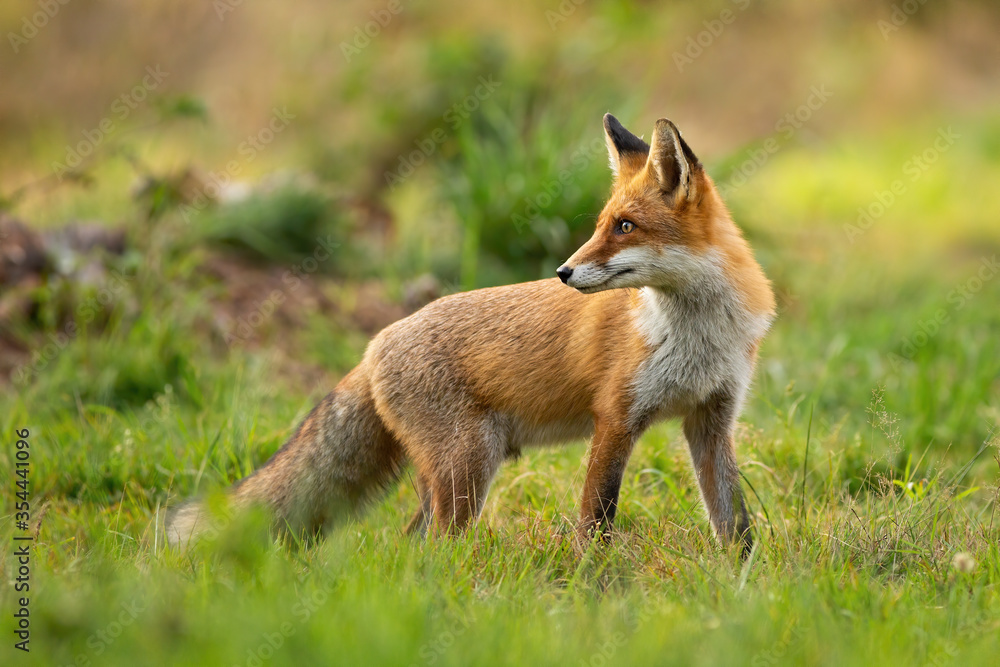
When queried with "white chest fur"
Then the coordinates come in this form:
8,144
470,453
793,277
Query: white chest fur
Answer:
699,336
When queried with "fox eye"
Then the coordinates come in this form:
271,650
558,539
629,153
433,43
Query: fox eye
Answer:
626,226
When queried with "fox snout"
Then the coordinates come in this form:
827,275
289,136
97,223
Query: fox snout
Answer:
590,277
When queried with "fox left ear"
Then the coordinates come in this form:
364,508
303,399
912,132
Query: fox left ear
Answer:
626,152
673,162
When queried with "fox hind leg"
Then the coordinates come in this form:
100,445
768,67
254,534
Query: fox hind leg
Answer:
461,479
418,524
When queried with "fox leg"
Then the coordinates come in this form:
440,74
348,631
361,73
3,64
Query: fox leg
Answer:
609,454
418,524
461,479
709,431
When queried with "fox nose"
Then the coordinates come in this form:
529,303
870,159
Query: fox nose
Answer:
564,272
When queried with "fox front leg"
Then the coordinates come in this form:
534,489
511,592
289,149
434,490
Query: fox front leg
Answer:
709,431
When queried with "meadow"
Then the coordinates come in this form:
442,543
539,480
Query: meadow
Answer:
441,155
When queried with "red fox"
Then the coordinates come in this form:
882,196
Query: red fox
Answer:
658,315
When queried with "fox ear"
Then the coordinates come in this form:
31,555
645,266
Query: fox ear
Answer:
672,161
626,152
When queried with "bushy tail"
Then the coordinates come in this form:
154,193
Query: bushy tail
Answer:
187,521
341,456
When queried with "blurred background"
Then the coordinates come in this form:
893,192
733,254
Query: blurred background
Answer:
208,208
201,200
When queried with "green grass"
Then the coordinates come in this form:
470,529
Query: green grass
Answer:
836,579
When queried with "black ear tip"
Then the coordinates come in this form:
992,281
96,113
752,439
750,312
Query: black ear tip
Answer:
624,140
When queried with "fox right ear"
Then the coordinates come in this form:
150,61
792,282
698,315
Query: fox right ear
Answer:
673,162
626,152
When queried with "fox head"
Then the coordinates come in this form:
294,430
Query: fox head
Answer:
657,224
